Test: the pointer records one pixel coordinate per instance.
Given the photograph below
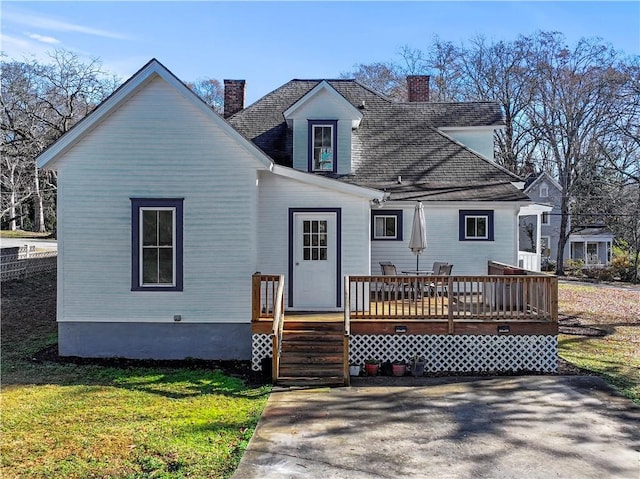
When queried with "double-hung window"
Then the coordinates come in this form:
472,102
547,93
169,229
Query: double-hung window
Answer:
545,217
476,225
322,145
386,225
156,247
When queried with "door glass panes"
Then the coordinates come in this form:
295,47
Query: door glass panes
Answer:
314,240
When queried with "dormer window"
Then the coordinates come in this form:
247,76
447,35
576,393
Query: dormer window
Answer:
322,145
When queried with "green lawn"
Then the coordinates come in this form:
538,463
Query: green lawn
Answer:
64,420
614,356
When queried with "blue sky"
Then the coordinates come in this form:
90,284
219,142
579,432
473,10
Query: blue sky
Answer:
269,43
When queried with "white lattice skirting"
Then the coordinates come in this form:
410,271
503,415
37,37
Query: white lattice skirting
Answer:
455,353
260,348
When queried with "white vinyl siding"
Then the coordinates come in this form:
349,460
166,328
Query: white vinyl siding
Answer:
278,194
322,107
141,151
442,220
479,140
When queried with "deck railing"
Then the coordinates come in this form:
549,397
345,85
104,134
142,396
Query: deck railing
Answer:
496,296
268,303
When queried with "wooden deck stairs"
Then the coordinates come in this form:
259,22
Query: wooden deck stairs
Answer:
312,353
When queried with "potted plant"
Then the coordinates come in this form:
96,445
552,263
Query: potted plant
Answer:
399,368
354,369
417,365
371,367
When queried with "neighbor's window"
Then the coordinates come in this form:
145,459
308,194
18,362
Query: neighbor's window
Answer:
386,225
545,217
544,191
476,225
156,244
322,143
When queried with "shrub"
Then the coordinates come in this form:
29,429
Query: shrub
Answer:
599,273
573,267
622,267
548,264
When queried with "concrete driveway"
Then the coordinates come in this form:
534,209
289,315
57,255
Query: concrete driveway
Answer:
500,427
38,243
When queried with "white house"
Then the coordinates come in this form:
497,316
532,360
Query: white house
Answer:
165,209
591,244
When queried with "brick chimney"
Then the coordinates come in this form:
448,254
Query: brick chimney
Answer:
233,97
418,86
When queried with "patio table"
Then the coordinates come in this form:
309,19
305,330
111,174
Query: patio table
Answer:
415,288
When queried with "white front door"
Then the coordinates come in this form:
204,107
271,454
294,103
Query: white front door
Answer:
314,261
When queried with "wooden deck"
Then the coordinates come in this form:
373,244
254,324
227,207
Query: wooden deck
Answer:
473,311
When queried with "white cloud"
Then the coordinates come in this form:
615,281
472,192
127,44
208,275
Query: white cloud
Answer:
36,21
44,39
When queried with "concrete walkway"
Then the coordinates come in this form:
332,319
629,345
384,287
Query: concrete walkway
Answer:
500,427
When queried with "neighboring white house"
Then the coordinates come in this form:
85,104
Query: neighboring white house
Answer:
591,244
165,209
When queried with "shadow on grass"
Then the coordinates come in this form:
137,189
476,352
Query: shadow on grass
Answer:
171,379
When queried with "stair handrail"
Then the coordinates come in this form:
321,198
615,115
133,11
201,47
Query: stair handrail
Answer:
278,324
347,330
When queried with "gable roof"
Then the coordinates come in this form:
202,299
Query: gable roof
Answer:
153,69
323,86
533,180
392,140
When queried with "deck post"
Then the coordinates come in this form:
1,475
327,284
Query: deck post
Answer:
256,286
450,304
554,299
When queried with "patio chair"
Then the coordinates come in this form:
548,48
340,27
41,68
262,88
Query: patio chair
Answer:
437,265
441,289
388,269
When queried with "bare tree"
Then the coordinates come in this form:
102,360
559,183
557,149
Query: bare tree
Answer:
210,91
573,99
500,72
385,78
40,102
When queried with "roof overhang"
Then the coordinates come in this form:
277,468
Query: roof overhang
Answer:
534,209
546,176
472,128
348,110
328,183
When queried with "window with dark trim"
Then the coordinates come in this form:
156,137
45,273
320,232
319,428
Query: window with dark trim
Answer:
476,225
545,218
386,225
323,137
156,244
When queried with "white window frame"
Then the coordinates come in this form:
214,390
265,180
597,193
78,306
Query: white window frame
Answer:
545,219
467,236
141,246
384,235
313,146
544,191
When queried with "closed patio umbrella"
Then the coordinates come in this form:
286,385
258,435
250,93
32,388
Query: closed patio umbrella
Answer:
418,241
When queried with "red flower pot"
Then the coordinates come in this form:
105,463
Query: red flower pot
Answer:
371,369
398,369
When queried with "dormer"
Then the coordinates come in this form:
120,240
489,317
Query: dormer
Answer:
477,138
322,122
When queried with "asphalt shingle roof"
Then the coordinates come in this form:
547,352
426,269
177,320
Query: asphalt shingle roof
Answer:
394,140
